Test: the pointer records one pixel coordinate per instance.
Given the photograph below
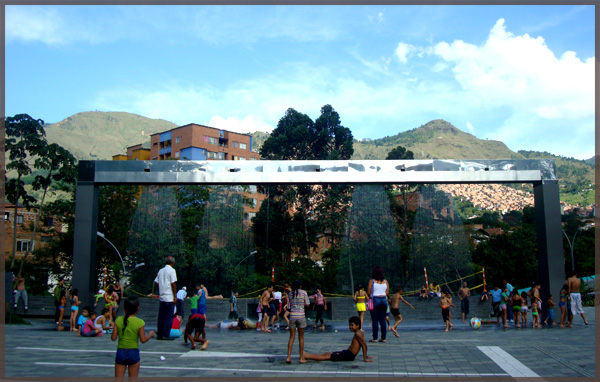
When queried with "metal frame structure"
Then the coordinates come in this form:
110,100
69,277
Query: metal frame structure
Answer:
539,172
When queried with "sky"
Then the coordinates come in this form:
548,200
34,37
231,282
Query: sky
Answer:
520,74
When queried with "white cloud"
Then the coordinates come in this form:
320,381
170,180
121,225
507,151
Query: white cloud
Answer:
246,125
403,50
523,73
470,127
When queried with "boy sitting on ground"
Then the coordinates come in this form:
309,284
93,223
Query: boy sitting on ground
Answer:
89,329
358,342
85,312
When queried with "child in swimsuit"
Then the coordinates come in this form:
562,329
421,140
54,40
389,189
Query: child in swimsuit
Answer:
360,297
358,342
534,312
516,306
61,308
562,304
524,309
74,310
550,311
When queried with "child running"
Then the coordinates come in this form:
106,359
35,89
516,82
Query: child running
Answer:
358,343
445,303
396,298
129,329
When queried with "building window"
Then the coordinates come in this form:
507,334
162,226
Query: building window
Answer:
221,155
177,139
235,144
19,219
49,222
253,202
6,215
24,245
176,154
242,146
211,155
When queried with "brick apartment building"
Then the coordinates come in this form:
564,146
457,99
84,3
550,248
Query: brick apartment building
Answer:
198,142
48,227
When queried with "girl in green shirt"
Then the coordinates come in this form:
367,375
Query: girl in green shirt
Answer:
129,329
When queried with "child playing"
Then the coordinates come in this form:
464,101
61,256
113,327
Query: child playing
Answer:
445,303
360,298
396,298
550,311
89,329
562,304
85,312
196,324
74,309
504,306
103,321
358,342
516,306
524,309
534,312
129,329
61,308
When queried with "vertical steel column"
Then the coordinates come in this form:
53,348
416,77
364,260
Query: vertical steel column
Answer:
551,262
84,240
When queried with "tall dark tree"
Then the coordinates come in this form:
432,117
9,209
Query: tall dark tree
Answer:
25,139
297,137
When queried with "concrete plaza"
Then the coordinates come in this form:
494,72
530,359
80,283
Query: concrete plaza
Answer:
423,350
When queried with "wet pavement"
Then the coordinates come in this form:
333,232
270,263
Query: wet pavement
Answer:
422,350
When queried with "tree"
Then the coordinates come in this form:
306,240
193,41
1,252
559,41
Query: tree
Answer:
400,152
25,138
305,207
59,166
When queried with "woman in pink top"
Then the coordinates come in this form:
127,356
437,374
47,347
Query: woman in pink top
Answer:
378,288
320,306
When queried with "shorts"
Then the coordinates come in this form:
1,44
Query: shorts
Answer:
361,307
74,308
576,307
264,309
524,309
298,323
561,304
517,308
502,306
534,313
179,308
464,306
175,333
201,309
551,314
127,356
196,324
395,312
272,310
446,314
344,355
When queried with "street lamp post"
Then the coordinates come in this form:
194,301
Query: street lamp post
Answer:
572,245
124,272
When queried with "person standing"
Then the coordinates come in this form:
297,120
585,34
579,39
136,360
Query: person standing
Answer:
233,312
509,313
464,293
21,293
378,288
297,303
573,285
181,295
58,289
320,305
360,298
265,307
496,300
119,291
166,279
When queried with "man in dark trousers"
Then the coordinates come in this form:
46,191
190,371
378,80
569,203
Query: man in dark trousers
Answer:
167,294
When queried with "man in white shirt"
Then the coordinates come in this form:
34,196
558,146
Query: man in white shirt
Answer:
166,279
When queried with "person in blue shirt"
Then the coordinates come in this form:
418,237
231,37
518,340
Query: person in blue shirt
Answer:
509,312
85,312
496,299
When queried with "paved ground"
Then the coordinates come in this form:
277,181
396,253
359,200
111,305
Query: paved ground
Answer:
423,349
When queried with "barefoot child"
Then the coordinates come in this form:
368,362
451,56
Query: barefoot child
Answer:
524,309
74,310
358,343
550,312
396,298
534,312
129,329
103,321
445,303
360,298
195,323
61,309
89,329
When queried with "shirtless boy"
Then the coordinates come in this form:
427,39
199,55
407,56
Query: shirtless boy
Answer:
358,342
396,298
464,294
265,302
573,285
445,303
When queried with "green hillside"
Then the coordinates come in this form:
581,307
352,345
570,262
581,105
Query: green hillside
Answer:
99,135
434,140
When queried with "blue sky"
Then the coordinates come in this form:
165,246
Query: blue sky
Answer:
520,74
